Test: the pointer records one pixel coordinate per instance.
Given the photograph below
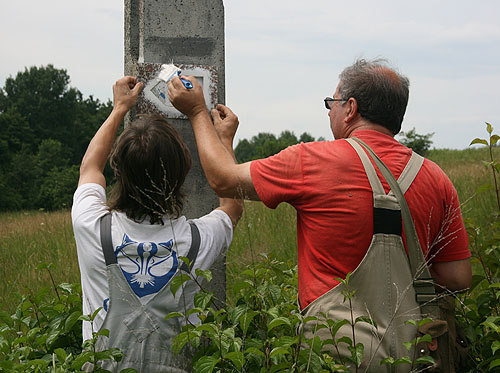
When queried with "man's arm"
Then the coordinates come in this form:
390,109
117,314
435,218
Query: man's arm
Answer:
125,93
227,178
224,123
454,276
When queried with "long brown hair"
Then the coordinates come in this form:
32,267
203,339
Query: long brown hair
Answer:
150,162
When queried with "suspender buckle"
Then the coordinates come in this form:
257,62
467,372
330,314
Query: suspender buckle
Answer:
424,290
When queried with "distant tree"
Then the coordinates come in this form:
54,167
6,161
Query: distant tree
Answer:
286,139
420,144
306,137
266,144
45,127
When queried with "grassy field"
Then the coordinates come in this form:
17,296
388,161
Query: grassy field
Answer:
30,238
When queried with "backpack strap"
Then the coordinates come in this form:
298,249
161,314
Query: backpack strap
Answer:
422,280
106,243
194,249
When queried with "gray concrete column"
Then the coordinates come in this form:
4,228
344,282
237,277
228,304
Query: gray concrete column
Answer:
189,33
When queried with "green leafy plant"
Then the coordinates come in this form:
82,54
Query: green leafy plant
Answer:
478,310
44,334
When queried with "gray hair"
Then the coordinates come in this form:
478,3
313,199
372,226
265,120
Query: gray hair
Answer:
380,91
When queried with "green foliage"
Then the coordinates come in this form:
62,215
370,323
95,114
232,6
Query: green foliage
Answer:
259,333
478,310
419,143
262,332
45,128
45,333
266,144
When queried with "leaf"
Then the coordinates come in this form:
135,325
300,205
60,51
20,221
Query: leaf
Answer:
61,355
237,358
128,370
173,314
357,353
104,332
204,273
424,321
211,329
428,360
179,341
52,337
84,318
494,139
279,351
388,360
495,346
365,319
5,317
489,128
202,299
66,287
237,312
479,141
402,360
254,351
338,324
81,359
425,338
95,313
490,322
206,364
494,364
495,285
246,320
411,322
274,292
27,304
408,345
346,340
71,321
278,321
177,281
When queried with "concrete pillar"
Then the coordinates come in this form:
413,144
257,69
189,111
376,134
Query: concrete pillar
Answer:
189,33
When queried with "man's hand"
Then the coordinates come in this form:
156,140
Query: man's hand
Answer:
188,101
125,93
226,124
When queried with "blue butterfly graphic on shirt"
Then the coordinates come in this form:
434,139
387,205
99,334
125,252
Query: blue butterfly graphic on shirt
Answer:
147,266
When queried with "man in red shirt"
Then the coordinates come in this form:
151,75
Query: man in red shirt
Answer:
327,184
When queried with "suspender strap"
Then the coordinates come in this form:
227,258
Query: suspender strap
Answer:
423,283
194,249
106,243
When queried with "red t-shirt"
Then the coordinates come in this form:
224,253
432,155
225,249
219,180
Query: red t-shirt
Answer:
327,185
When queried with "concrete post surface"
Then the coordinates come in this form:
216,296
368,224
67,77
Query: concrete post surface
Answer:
188,33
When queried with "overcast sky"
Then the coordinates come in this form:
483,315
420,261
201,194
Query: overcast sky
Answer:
284,57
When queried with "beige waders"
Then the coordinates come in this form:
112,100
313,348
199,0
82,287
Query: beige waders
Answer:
387,280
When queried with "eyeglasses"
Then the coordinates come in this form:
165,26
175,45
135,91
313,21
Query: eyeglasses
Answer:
329,99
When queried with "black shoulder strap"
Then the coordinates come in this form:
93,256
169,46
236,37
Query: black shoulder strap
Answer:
195,247
106,243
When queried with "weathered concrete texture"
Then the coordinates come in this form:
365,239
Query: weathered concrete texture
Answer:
187,32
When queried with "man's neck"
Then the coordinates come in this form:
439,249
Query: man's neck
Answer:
366,125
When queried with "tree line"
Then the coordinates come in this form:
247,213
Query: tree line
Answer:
46,126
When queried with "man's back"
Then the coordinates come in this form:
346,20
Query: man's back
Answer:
326,183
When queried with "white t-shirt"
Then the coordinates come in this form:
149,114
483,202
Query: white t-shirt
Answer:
147,254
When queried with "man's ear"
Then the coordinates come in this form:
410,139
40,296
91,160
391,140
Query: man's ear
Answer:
352,109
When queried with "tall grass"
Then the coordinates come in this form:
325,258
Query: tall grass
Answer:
467,171
30,238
